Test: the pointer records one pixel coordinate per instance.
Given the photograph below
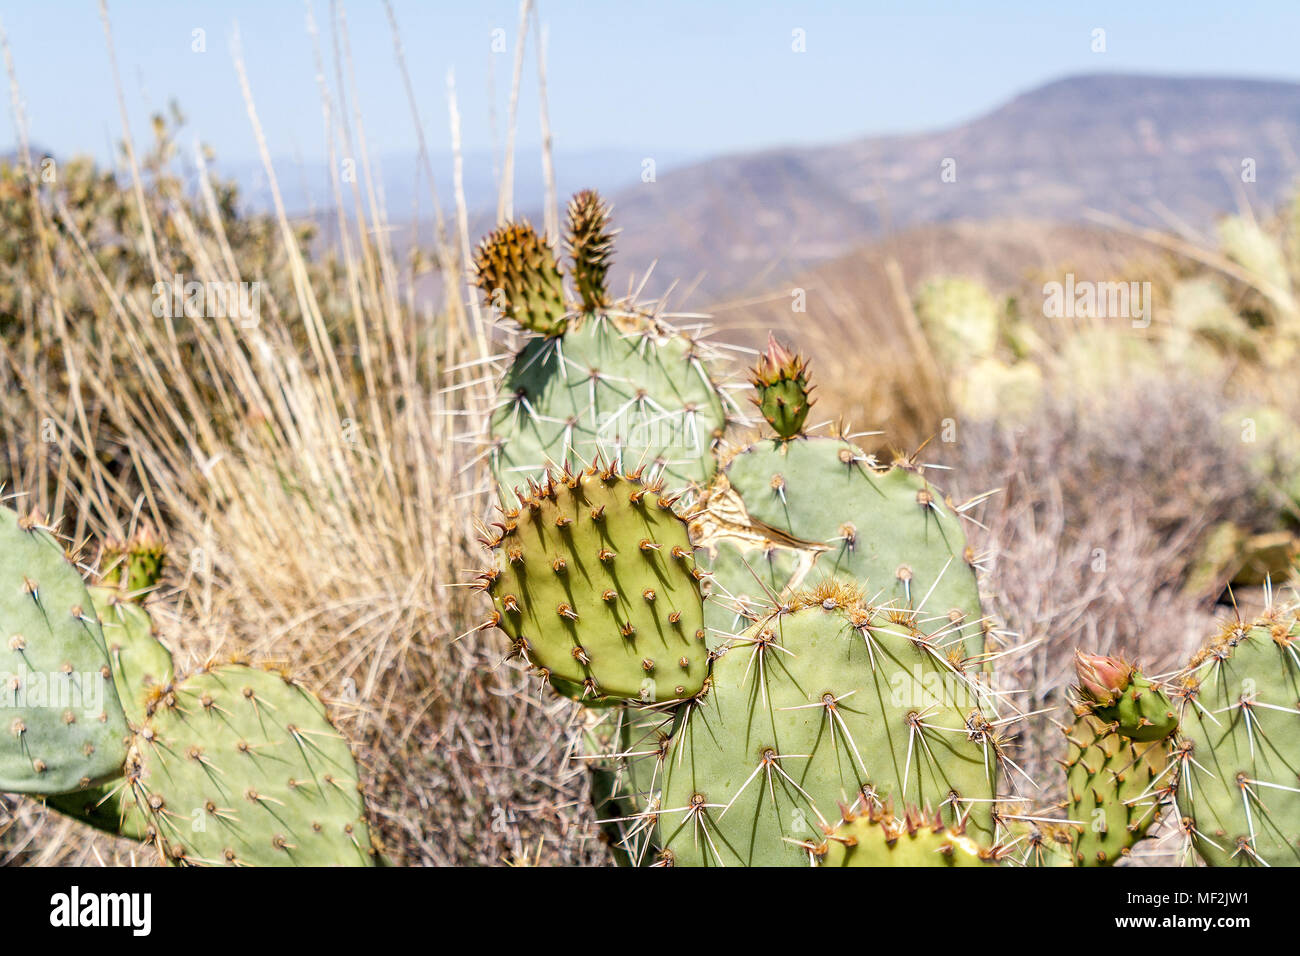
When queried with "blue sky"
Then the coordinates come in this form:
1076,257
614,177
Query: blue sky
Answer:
686,77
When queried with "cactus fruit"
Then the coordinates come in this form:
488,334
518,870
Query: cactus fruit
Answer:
624,748
241,766
134,566
591,246
783,393
1117,693
64,727
594,580
1239,744
1119,765
519,276
871,835
826,698
886,529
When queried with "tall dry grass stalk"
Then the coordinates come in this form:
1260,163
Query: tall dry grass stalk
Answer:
318,506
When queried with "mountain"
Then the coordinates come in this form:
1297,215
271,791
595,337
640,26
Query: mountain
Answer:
1160,151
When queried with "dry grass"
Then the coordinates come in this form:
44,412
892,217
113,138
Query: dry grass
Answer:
316,500
1103,502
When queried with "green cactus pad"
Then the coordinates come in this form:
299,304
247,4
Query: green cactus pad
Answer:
638,394
1239,745
143,674
1034,839
886,529
876,837
743,578
241,766
594,580
814,706
63,727
1116,786
116,808
624,748
142,666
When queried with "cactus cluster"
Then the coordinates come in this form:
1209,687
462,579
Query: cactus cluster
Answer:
779,644
808,633
232,764
593,381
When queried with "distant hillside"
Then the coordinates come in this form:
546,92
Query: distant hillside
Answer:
1156,150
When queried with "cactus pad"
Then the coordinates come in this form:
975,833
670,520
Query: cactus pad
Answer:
886,529
241,766
64,728
823,700
632,392
1239,745
143,674
1116,788
594,580
869,835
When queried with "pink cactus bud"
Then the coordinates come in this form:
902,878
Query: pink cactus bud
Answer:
1102,678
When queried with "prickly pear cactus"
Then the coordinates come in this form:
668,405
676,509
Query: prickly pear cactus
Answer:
826,698
143,674
887,529
241,766
624,747
747,574
1239,744
142,666
64,728
134,566
1119,764
609,384
594,580
870,835
1033,839
960,319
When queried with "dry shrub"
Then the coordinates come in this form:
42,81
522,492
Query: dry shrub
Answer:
1104,499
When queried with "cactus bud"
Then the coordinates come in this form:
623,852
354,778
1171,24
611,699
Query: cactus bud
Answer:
784,395
1101,678
519,276
590,246
135,565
